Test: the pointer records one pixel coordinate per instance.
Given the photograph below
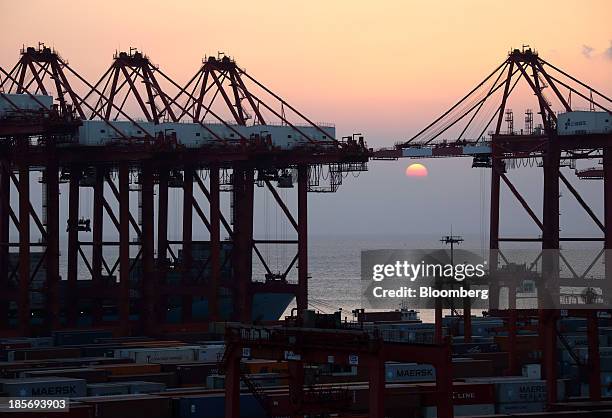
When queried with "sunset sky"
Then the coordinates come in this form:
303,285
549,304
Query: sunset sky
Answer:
384,69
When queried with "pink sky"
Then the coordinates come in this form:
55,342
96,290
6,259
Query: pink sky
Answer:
381,68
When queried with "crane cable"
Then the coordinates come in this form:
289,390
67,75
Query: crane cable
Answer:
266,226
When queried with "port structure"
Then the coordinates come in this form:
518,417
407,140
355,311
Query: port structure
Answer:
452,240
236,161
346,346
139,116
474,127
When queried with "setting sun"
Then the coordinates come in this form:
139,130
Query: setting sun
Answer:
416,170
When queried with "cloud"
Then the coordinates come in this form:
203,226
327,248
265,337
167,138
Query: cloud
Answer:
587,51
608,52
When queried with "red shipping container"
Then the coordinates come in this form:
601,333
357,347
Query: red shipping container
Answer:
89,374
499,359
169,379
76,410
45,353
14,346
472,368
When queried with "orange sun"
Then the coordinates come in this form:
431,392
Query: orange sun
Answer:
416,170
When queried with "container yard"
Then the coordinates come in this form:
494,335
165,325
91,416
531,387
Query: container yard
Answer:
167,379
166,214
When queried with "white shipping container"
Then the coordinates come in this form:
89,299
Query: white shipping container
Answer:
409,372
532,371
461,410
286,137
44,387
581,122
149,355
417,152
526,391
24,102
209,353
476,149
215,381
194,135
98,133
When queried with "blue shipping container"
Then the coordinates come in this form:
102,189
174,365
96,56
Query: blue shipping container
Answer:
214,406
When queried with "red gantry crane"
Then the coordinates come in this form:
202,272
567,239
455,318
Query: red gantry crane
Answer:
136,131
559,135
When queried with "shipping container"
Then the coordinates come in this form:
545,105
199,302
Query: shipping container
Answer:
606,386
479,347
483,327
43,353
520,407
265,366
209,353
75,410
130,368
409,372
526,342
417,152
195,390
468,367
79,337
532,371
583,353
107,389
463,393
216,381
580,340
499,360
15,345
12,102
136,387
91,375
194,135
476,149
377,316
150,355
520,389
195,374
168,379
582,122
92,361
571,324
119,406
461,410
44,387
213,406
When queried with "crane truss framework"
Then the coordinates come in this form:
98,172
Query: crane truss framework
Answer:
474,126
132,290
301,346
